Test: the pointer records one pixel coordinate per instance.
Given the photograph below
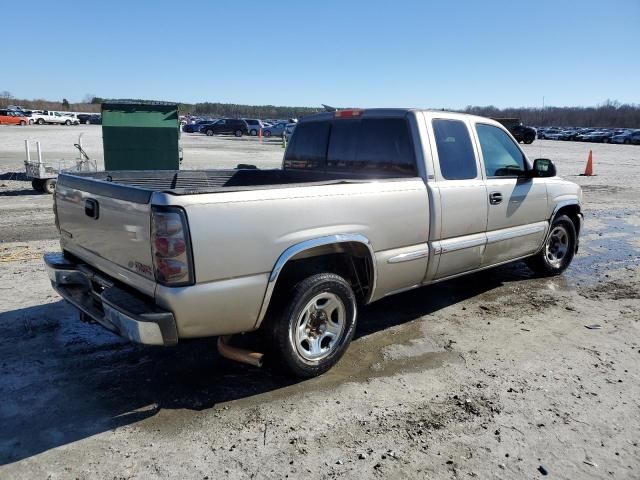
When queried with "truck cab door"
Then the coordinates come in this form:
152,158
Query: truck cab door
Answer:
459,241
517,219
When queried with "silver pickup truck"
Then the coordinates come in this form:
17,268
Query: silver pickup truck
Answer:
368,203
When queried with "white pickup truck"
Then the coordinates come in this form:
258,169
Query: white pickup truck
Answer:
46,116
368,203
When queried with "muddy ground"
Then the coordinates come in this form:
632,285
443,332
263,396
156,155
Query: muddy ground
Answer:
495,375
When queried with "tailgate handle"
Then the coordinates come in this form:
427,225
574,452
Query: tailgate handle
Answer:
91,208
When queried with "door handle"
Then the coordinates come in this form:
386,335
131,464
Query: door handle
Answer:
495,198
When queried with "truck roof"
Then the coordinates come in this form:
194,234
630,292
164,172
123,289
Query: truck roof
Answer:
388,112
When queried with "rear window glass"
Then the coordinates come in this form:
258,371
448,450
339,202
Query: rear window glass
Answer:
457,160
308,147
376,145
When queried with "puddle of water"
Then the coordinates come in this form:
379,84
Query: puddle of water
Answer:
608,241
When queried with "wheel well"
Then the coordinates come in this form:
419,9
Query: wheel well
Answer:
572,212
351,260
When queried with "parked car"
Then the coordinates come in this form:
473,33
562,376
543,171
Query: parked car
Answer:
628,137
254,125
598,136
543,134
289,131
235,126
523,133
42,117
195,127
12,117
73,117
355,214
275,130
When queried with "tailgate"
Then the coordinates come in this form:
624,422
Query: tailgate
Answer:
106,224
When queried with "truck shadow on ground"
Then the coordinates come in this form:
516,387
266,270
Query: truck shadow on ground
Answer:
62,380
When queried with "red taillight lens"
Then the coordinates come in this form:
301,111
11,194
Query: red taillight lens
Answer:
171,247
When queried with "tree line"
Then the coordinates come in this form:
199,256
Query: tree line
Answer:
609,114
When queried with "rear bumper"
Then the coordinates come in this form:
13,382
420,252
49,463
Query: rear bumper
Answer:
131,316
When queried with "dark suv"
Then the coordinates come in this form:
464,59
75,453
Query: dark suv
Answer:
523,133
233,126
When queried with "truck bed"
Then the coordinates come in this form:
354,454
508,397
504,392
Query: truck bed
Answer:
138,186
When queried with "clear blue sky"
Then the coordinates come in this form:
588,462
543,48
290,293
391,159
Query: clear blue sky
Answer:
340,52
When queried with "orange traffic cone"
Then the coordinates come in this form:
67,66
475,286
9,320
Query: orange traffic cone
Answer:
588,172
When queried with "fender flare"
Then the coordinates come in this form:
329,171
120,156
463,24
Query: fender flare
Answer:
298,248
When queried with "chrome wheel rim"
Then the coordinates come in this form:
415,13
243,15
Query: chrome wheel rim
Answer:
557,246
319,327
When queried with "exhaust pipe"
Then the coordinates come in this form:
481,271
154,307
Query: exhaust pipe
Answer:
239,354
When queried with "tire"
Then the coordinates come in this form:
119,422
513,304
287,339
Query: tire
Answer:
605,140
68,123
87,122
23,123
49,186
267,133
627,141
209,133
253,132
40,121
558,250
311,351
31,121
237,133
528,141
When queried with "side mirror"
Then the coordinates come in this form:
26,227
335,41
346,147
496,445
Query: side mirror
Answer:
543,168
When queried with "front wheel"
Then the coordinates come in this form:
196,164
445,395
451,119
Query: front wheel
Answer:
558,250
40,121
627,141
314,329
238,133
23,123
267,133
67,123
209,133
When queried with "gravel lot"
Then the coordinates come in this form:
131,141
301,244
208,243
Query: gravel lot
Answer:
489,376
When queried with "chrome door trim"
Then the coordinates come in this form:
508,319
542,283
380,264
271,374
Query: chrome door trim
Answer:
294,250
459,243
407,257
515,232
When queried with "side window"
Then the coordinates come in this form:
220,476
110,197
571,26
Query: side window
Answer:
308,148
455,151
502,158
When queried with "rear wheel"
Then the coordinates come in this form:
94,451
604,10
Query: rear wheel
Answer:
253,132
40,121
23,123
87,122
209,133
558,249
314,329
627,141
31,121
238,133
267,133
67,123
50,186
605,140
528,141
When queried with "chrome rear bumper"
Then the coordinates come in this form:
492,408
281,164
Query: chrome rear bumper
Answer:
131,316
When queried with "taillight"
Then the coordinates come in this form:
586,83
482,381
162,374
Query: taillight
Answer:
171,247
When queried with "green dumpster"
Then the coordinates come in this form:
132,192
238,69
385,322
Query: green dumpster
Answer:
140,135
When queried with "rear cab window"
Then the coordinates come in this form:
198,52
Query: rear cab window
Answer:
455,150
369,145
